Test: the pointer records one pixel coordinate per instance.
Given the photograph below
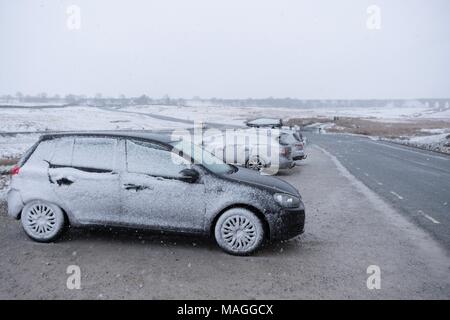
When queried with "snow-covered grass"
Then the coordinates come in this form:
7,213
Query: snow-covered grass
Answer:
35,119
77,118
435,142
31,104
425,134
13,146
4,184
224,115
237,115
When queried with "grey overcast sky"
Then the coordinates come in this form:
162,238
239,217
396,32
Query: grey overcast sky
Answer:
227,48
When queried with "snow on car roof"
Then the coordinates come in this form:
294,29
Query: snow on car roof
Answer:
265,122
158,137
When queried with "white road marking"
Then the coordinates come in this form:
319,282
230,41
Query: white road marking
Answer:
428,217
379,183
366,174
397,195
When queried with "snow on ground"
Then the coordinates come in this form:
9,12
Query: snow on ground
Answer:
435,142
4,184
13,146
141,118
225,115
31,104
22,120
237,115
77,118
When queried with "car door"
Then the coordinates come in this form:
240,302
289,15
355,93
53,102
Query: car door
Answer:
153,194
83,176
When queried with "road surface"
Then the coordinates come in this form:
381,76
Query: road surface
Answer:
416,182
348,229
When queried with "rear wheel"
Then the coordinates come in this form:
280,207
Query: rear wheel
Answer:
42,221
239,231
255,163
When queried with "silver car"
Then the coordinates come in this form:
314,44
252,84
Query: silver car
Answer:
293,139
144,180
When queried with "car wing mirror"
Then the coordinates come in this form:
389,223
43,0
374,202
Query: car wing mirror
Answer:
189,175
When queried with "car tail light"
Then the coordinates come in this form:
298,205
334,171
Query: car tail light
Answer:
299,145
284,151
15,170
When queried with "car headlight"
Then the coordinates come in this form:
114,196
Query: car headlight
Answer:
286,200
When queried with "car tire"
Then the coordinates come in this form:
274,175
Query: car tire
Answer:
42,221
239,231
255,163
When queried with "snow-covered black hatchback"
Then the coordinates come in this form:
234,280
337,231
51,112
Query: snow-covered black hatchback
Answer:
144,180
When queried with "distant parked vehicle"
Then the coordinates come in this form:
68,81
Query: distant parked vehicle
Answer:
292,139
246,148
143,180
265,123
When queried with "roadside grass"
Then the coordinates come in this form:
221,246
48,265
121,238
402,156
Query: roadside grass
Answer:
369,127
8,162
390,130
5,167
404,132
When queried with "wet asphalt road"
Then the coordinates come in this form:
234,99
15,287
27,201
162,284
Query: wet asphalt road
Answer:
416,182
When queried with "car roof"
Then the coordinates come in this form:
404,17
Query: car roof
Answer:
264,122
161,137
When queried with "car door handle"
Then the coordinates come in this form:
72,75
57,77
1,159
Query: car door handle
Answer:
64,181
136,187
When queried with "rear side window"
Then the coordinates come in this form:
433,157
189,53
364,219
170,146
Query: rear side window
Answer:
40,151
94,153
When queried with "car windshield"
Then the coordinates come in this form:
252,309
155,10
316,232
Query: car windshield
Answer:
203,157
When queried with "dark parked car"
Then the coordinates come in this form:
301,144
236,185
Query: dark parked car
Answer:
143,180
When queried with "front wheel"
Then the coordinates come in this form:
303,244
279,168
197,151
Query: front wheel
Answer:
42,221
239,231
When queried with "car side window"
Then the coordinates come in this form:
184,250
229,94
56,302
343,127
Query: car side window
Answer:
62,155
94,153
152,159
38,153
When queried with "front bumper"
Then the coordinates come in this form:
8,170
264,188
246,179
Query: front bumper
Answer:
289,223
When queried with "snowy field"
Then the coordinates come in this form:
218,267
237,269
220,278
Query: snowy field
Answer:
26,122
77,118
237,115
20,127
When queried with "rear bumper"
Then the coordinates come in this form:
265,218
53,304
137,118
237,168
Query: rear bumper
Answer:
15,203
289,223
285,163
299,157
